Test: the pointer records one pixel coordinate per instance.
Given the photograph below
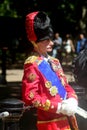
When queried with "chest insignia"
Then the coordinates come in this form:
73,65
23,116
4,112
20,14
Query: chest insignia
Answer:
48,84
32,77
53,90
31,95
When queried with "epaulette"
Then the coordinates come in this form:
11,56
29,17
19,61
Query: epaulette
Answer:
31,59
55,59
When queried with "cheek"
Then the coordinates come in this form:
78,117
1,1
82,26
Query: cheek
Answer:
42,48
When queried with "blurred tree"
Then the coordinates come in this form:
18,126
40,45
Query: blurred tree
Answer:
5,9
70,13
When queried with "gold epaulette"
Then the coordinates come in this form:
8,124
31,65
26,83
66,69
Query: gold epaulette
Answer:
31,59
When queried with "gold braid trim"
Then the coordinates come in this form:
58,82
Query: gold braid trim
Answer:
61,118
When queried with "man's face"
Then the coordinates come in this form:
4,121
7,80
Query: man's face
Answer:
45,46
81,36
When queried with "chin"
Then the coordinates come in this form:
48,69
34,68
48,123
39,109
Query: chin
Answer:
49,50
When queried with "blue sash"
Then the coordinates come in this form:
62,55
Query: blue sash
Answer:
51,76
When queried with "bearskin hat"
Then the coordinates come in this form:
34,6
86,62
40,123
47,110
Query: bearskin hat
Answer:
38,26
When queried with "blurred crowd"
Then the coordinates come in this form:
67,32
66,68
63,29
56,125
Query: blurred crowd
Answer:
66,48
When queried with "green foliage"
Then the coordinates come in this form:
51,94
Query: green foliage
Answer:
70,10
5,9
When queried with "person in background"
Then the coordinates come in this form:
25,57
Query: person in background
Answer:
44,84
69,48
57,49
81,43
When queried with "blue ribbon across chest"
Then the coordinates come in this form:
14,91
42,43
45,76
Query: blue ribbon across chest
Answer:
51,76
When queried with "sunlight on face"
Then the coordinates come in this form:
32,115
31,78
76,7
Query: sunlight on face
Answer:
45,46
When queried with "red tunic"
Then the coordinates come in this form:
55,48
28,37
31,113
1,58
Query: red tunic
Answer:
39,92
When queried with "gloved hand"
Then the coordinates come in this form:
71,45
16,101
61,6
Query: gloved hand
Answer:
68,106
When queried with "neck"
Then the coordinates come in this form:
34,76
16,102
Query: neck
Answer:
45,55
40,53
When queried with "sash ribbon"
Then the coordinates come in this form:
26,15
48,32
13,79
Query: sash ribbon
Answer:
51,76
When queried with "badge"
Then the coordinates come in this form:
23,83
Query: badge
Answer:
47,105
48,84
31,95
53,90
32,77
36,104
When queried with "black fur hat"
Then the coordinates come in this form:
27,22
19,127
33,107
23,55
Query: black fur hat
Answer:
38,26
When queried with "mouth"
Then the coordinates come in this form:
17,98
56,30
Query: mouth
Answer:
50,47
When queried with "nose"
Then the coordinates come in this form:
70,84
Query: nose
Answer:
51,43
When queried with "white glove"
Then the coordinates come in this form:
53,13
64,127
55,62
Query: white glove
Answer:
67,107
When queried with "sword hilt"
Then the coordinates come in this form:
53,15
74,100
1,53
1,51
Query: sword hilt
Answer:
80,111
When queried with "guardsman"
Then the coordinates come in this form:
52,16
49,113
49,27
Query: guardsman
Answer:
44,84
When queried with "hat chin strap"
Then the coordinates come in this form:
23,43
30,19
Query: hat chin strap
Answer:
37,49
35,46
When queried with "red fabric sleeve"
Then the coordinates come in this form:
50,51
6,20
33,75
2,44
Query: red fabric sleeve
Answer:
34,91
